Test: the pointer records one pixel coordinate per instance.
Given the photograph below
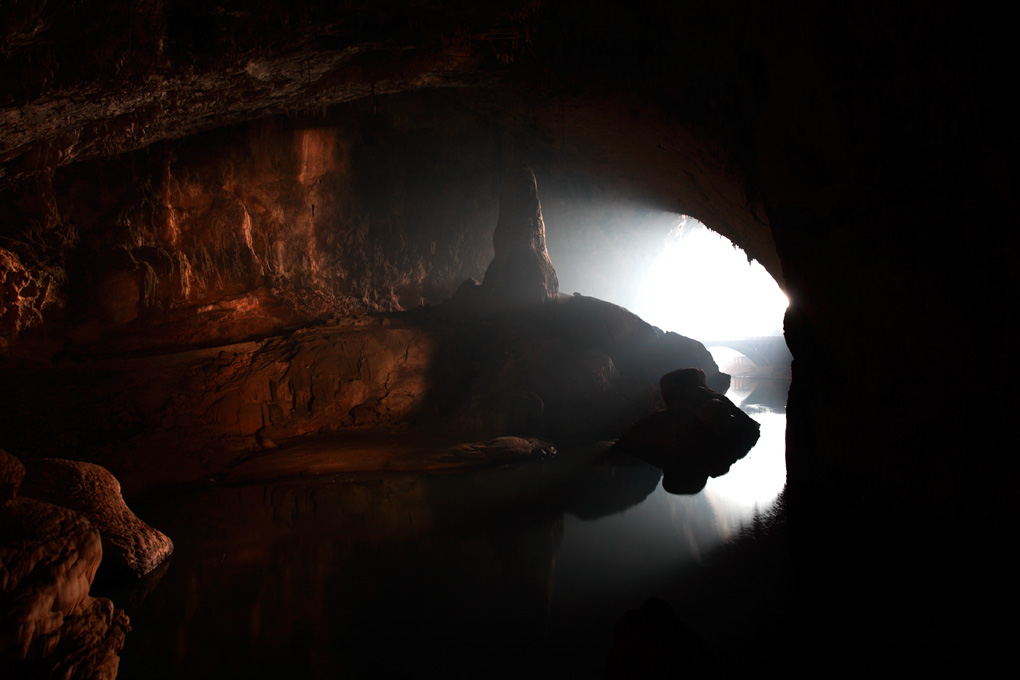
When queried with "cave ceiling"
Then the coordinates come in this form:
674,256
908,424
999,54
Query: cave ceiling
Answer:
625,96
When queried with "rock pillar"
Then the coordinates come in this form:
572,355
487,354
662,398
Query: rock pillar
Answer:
521,273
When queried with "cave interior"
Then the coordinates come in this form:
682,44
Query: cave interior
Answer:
225,229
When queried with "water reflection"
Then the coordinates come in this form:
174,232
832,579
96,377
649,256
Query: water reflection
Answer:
491,572
609,566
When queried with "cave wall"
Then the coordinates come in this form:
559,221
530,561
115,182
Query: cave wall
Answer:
878,140
249,231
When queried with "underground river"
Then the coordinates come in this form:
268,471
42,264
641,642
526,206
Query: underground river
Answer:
501,570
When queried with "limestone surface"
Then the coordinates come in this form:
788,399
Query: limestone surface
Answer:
131,546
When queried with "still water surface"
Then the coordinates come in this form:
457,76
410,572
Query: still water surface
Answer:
484,573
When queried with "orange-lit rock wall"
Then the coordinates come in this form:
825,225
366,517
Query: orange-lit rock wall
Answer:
259,228
170,416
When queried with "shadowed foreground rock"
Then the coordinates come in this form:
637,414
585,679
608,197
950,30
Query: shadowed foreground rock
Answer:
699,435
131,547
49,625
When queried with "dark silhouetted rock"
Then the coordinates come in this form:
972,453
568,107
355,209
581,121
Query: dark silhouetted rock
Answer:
577,368
699,435
130,545
521,272
11,474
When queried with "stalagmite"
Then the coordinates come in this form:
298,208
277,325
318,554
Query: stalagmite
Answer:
521,273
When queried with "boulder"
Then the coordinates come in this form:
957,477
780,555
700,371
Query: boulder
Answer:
131,547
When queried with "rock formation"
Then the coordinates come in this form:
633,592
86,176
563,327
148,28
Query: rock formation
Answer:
699,435
521,273
130,546
49,625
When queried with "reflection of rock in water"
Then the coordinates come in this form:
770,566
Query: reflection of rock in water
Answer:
734,601
610,486
323,579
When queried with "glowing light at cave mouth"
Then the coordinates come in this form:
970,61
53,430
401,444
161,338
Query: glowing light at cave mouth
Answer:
702,286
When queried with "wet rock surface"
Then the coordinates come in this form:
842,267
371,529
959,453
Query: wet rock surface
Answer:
175,416
373,451
131,548
699,435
